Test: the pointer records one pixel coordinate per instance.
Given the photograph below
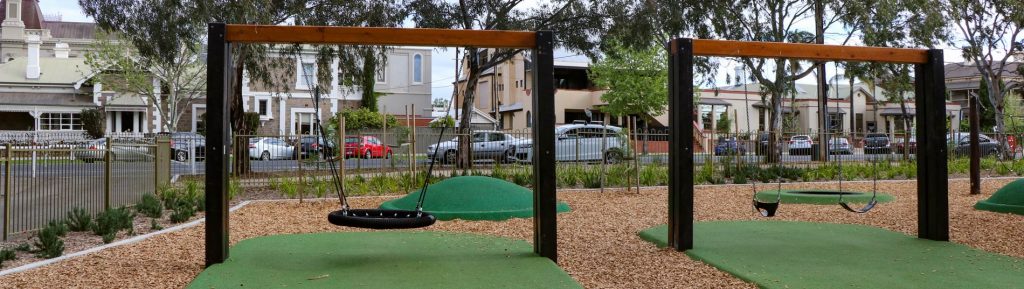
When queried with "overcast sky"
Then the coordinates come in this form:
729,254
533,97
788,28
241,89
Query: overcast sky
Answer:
443,69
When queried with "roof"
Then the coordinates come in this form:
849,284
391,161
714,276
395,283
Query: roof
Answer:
30,14
46,99
805,91
958,70
53,71
71,30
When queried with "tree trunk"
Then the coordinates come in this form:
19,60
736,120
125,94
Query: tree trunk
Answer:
775,120
465,159
996,97
238,123
368,81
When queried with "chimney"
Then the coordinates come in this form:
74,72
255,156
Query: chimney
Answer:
32,69
738,72
61,50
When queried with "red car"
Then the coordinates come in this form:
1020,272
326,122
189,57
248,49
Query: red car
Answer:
366,147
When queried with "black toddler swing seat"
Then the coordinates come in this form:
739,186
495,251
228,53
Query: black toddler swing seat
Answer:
381,219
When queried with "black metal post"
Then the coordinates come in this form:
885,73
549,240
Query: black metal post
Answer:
218,136
680,143
545,222
932,177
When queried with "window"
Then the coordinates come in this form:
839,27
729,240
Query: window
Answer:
13,10
308,76
529,119
417,68
263,107
304,123
496,137
60,121
382,75
835,122
479,137
760,119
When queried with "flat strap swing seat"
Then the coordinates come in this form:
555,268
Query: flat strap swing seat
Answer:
381,219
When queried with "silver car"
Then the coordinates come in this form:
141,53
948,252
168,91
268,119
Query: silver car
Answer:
584,142
268,148
496,145
96,151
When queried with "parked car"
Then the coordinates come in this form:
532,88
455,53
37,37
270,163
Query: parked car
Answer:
989,146
310,145
94,151
366,147
180,142
729,146
800,145
762,143
496,145
590,138
839,146
268,148
877,143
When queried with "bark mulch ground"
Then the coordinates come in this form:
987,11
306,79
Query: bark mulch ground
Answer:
598,245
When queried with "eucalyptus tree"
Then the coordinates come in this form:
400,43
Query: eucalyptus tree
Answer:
992,34
579,23
899,24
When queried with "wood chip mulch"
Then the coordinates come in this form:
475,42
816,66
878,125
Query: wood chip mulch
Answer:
598,244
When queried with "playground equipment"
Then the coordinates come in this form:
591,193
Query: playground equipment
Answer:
220,74
1008,199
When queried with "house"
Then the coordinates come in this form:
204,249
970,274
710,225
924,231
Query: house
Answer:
964,79
504,92
871,109
288,110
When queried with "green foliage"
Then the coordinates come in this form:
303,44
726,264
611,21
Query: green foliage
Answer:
363,118
724,123
234,188
23,247
154,226
7,255
1013,110
47,243
59,226
569,176
93,122
112,221
182,212
654,175
150,206
79,220
591,178
636,79
446,121
288,187
252,122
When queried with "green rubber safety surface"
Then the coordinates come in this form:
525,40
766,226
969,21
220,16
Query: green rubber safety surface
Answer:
776,254
472,198
820,197
1008,199
384,259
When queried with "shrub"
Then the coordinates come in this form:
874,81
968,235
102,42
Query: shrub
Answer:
48,243
288,188
7,255
59,227
153,225
234,189
93,122
363,118
113,220
150,206
79,220
23,247
591,179
182,212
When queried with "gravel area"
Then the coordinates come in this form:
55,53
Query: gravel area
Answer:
598,245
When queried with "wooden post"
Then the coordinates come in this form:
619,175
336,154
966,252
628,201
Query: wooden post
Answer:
106,173
384,139
680,157
412,145
636,159
7,191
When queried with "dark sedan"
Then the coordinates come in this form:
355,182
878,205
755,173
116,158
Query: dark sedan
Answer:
310,146
989,146
729,146
182,143
877,143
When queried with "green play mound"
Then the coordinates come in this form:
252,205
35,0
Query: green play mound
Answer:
384,260
1008,199
775,254
472,198
820,197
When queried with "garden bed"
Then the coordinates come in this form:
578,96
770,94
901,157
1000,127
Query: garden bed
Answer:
598,245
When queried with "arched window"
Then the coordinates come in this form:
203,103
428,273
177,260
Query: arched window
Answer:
417,68
529,119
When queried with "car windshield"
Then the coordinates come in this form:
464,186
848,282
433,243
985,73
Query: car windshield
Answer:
352,140
801,137
876,135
